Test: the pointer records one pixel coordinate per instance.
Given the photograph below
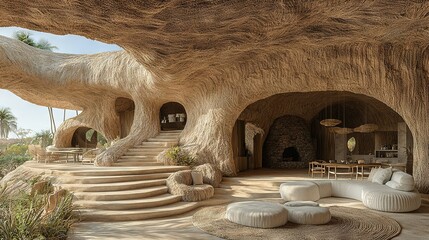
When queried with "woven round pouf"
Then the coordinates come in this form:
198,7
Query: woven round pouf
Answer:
313,215
257,214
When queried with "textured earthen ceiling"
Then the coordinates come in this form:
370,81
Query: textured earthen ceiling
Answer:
216,57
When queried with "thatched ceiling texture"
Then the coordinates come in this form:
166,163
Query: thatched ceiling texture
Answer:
216,58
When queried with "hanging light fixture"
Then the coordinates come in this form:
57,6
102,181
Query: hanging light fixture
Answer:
330,122
367,127
344,130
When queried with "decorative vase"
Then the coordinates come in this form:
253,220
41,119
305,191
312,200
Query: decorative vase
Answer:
171,118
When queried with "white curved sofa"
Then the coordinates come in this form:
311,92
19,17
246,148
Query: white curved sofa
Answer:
372,195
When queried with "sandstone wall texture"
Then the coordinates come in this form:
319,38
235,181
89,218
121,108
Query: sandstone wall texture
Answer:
216,58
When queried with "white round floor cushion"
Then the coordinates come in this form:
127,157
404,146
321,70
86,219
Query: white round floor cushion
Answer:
308,215
257,214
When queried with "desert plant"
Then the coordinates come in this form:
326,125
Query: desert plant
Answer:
16,149
24,217
180,156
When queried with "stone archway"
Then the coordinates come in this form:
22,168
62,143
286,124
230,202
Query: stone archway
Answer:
85,137
172,116
124,108
308,106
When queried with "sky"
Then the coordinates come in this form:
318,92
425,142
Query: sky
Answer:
35,117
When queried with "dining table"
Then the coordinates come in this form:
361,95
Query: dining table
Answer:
75,152
349,169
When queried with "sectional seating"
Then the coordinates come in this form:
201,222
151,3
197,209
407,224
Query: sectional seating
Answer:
372,194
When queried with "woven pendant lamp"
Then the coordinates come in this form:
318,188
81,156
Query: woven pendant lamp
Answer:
367,127
330,122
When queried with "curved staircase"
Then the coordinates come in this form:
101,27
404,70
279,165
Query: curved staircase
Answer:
145,153
133,189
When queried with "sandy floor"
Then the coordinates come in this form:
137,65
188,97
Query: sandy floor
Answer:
259,184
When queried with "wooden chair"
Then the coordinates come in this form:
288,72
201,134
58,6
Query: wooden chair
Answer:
316,167
90,155
43,155
32,152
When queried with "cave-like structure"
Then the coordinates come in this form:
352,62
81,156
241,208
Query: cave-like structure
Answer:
216,58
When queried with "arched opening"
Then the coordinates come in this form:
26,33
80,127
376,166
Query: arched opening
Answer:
172,116
290,133
124,108
84,137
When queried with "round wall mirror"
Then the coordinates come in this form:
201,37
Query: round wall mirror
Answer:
351,144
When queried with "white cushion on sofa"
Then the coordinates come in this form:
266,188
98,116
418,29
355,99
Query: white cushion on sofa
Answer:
402,178
399,186
325,188
197,177
382,175
371,174
348,188
299,191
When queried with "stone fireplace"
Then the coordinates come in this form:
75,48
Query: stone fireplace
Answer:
288,144
291,154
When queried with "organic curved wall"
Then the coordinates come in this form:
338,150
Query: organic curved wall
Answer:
218,57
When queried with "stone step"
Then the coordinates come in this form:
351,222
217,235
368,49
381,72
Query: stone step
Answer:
146,149
174,137
115,171
113,179
136,157
118,186
159,144
150,202
122,195
137,163
172,131
142,154
163,139
140,214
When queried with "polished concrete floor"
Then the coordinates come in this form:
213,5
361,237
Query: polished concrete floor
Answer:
257,184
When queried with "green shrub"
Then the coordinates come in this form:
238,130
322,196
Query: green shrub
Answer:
23,217
9,162
16,149
180,156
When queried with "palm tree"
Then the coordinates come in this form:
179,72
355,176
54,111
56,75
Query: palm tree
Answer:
43,44
7,122
26,38
43,138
